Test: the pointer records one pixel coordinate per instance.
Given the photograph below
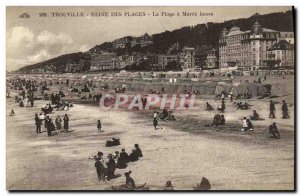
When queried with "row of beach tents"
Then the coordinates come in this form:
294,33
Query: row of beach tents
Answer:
209,87
206,88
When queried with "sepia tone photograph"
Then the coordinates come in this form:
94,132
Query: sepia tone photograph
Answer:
150,98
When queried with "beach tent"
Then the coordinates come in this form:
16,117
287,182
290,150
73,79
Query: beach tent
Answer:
181,89
188,87
239,89
209,88
257,89
223,87
196,87
253,89
171,88
264,89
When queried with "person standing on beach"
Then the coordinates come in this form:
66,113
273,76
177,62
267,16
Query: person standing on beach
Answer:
285,110
66,122
31,101
99,126
272,110
99,164
155,123
222,107
48,125
58,123
38,123
245,124
111,167
42,118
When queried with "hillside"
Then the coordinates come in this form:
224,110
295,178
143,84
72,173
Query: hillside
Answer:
58,62
193,36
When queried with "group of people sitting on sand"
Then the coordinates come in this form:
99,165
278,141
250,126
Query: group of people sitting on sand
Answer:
47,108
222,107
27,102
168,186
153,91
243,106
247,125
63,105
22,84
218,120
166,115
27,98
105,168
55,98
120,90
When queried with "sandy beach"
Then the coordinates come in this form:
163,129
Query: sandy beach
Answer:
183,151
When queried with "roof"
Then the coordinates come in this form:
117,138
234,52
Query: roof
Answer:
281,45
234,32
269,30
237,31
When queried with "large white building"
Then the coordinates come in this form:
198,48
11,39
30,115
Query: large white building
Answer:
247,50
104,61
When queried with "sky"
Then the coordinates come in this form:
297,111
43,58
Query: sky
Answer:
35,39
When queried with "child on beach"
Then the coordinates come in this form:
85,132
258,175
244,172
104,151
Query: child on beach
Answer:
99,126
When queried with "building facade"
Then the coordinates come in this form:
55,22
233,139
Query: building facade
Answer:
246,49
211,61
75,67
206,57
281,54
164,60
104,61
288,36
186,58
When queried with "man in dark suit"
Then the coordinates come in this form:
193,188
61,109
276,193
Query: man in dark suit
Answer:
272,110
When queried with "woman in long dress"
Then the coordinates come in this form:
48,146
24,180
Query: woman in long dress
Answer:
58,123
66,122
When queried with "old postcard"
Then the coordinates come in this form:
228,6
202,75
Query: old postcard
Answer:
150,98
